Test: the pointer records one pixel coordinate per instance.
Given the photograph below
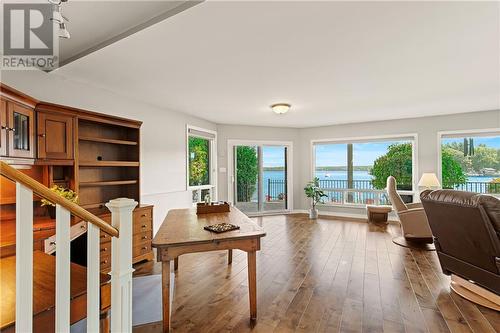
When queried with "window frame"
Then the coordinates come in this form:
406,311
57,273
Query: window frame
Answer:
413,137
468,132
212,158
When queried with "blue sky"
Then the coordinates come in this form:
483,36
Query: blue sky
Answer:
364,153
273,156
493,141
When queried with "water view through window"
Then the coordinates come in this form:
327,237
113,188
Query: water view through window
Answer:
261,178
471,163
356,173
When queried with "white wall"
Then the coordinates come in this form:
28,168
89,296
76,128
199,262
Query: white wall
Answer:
163,133
426,128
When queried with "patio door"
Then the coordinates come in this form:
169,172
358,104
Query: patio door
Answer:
260,177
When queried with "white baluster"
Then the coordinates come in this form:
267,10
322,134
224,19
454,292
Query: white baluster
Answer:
24,259
93,278
63,269
121,265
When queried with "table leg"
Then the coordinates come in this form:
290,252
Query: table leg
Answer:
229,257
166,295
176,263
252,283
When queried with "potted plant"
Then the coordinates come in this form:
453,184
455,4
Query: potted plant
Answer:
314,192
63,192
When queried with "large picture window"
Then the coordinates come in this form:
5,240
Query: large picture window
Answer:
356,171
201,168
471,161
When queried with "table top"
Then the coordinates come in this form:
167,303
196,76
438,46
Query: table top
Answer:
185,227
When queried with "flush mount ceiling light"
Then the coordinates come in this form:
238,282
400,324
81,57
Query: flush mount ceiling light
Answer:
280,108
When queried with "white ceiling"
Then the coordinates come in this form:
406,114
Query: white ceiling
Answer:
94,24
335,62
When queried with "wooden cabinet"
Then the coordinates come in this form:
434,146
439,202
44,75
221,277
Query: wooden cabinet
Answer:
16,130
141,241
3,127
55,136
21,132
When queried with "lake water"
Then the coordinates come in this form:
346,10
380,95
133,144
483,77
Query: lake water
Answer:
342,175
358,175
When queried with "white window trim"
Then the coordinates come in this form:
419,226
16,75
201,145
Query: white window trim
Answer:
471,132
230,168
213,162
362,139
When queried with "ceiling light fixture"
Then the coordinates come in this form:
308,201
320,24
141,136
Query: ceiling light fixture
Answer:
58,18
280,108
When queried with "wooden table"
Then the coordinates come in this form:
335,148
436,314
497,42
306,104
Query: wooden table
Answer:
182,232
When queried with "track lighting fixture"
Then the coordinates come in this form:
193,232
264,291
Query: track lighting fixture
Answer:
59,19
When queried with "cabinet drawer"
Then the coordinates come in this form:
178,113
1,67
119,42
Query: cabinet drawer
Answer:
142,237
142,226
141,215
141,249
105,260
105,249
104,237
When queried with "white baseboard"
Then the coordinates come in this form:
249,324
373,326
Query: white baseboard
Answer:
339,214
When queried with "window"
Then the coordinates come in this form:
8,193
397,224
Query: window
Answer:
201,163
470,161
355,171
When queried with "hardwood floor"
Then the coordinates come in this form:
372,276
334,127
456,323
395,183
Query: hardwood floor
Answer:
321,276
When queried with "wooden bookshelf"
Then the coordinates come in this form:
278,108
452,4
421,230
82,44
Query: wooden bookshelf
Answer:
109,183
110,141
108,165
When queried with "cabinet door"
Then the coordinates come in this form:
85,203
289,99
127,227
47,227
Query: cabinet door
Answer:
21,131
3,127
55,136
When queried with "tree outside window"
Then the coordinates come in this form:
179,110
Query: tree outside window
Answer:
199,161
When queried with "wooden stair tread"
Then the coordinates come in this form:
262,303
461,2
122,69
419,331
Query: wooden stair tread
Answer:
44,266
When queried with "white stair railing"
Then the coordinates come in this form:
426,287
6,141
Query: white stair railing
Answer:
121,265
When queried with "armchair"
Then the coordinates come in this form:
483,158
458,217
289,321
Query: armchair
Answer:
414,224
466,230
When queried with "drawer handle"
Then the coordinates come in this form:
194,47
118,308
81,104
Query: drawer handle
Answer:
104,249
144,237
104,262
104,236
144,225
144,215
52,243
144,248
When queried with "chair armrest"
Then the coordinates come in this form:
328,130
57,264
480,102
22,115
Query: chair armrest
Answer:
412,211
414,205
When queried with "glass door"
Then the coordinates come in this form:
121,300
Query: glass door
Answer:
260,178
246,175
274,176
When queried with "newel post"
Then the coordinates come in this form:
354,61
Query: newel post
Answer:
121,264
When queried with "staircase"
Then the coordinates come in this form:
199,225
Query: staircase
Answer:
31,278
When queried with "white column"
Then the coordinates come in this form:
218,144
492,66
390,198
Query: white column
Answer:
63,269
121,265
93,282
24,259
